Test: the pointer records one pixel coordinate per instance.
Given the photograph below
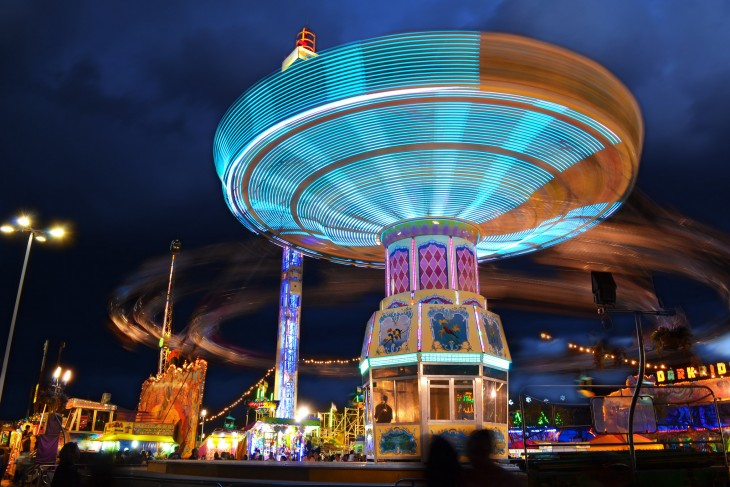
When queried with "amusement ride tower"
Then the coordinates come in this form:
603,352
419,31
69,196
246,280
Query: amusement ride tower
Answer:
424,154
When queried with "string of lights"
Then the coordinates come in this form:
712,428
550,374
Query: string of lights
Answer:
268,373
243,396
584,349
310,361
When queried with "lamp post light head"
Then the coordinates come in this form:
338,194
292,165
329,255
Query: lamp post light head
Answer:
66,376
57,373
40,237
7,228
23,221
57,232
204,413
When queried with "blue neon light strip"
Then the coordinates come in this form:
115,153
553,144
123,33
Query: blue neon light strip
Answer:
430,58
319,153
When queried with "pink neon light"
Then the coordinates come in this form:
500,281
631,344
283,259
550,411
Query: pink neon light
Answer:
418,346
452,264
476,270
414,266
479,329
370,336
387,273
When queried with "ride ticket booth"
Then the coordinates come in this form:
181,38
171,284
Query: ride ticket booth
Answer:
434,361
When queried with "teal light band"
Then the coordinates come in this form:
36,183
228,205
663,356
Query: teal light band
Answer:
364,366
495,362
326,155
408,358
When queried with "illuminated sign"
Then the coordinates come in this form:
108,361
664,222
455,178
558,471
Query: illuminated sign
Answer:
690,373
129,427
263,404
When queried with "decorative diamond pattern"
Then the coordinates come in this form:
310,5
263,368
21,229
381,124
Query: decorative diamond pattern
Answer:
466,269
432,266
399,271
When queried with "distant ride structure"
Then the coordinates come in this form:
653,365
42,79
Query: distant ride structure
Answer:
425,154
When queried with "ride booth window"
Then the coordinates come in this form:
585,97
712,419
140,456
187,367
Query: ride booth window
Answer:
395,395
451,400
495,401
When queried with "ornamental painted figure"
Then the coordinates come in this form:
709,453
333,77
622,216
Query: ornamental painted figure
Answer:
425,154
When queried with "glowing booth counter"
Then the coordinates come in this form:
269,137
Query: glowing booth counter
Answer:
228,443
279,436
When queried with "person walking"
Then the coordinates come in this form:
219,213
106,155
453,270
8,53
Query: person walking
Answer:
66,474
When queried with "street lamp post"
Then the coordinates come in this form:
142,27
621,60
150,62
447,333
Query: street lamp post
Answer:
60,379
203,414
23,224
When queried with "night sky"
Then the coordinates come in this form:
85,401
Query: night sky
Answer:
107,116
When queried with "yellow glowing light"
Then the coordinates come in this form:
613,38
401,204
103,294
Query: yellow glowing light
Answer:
7,229
23,221
302,413
204,412
57,232
41,238
66,376
57,373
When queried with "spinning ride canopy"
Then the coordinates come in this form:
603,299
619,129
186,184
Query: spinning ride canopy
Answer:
531,143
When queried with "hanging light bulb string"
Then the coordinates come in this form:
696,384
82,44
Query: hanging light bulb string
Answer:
268,373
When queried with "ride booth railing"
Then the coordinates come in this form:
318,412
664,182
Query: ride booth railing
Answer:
680,433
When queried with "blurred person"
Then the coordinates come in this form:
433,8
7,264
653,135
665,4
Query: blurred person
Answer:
193,454
442,466
67,474
216,456
101,470
383,411
485,471
175,455
25,439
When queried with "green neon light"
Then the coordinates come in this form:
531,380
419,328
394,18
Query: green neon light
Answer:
448,357
364,366
496,362
408,358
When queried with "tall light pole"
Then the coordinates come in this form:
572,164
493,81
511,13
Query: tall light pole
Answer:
61,379
23,224
203,414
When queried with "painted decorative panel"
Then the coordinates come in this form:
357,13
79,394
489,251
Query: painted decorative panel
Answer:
394,329
472,299
432,267
466,269
399,265
494,343
455,435
396,303
501,439
397,441
368,336
449,328
175,397
435,299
